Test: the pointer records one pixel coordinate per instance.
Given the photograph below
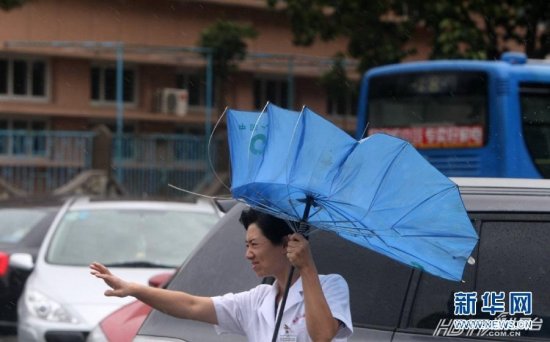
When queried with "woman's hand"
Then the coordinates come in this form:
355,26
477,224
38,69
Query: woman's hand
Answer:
298,252
119,287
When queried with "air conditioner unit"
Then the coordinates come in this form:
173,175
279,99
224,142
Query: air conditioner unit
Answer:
172,101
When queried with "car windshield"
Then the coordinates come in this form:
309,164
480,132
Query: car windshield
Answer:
128,238
16,223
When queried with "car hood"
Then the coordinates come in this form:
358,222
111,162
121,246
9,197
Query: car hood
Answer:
80,292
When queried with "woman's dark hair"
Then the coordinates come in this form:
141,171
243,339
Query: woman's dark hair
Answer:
273,228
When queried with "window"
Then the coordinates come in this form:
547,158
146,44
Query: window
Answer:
434,299
23,138
535,114
377,283
164,236
345,104
196,87
512,256
23,78
442,109
104,83
272,90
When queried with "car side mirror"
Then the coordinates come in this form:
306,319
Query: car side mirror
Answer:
22,261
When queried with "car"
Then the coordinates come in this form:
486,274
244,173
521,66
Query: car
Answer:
123,324
23,224
394,302
137,238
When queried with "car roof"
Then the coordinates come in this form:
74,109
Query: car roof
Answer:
504,184
93,203
504,194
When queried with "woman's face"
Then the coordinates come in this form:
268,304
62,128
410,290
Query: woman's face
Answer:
267,259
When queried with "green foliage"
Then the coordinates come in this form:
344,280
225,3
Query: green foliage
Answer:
7,5
371,41
335,81
482,29
339,88
473,29
226,40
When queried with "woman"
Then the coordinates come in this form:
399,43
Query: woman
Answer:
317,308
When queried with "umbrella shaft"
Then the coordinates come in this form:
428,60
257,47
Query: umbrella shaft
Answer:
302,229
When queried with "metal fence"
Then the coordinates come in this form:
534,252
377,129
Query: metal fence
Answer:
40,162
149,163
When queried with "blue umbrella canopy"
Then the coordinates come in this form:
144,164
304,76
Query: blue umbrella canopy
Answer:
378,192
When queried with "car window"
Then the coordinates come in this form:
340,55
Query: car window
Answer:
218,266
121,237
434,298
16,223
515,256
512,255
377,283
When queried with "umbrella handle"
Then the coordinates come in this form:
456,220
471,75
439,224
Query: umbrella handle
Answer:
302,229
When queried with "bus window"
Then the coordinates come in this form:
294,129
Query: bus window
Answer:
444,109
535,114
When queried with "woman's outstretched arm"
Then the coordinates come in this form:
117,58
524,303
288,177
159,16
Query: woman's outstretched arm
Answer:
174,303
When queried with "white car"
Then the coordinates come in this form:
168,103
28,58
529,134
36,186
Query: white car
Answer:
62,301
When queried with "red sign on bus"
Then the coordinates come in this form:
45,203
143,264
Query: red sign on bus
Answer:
437,136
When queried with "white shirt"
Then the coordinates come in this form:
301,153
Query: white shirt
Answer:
252,313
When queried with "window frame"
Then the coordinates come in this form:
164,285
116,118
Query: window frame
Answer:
197,92
29,84
349,100
259,91
103,68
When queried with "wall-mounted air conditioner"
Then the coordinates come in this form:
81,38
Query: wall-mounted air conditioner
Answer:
172,101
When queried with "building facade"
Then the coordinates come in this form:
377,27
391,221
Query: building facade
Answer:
60,59
58,63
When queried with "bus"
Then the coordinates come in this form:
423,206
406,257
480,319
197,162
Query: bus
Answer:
467,118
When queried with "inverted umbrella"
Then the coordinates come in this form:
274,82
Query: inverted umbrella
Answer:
378,192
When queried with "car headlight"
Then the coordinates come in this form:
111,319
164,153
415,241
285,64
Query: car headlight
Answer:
97,335
41,306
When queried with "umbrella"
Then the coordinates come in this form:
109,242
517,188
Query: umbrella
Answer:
378,192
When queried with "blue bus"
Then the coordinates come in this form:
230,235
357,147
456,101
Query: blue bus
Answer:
467,118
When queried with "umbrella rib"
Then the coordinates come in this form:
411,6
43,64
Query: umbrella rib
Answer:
331,224
210,158
420,204
294,132
266,205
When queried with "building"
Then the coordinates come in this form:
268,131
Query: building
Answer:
58,81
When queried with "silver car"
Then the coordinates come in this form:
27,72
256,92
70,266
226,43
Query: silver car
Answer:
389,300
139,239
